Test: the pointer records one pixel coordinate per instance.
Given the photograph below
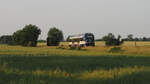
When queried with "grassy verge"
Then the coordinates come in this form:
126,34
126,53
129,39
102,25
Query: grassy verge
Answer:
74,70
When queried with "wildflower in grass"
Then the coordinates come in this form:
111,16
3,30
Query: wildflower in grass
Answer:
66,74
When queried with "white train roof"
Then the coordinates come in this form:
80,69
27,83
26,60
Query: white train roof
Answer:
76,36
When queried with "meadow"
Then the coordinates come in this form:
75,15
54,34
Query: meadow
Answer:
90,65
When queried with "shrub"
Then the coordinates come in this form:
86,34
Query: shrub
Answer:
6,39
72,47
54,37
111,40
115,50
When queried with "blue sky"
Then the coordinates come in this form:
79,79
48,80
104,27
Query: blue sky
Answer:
77,16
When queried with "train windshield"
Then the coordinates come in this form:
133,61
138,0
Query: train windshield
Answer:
90,38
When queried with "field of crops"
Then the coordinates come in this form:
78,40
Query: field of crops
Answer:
91,65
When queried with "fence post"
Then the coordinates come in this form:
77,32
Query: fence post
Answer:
135,44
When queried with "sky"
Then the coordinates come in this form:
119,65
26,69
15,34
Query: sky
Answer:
77,16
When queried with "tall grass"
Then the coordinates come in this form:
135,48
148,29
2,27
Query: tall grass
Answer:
74,70
96,65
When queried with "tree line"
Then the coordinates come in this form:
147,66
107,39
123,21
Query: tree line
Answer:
128,38
111,40
28,36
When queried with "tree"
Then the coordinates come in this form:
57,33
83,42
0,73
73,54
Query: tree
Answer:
68,39
6,39
111,40
17,37
144,39
54,37
28,36
109,36
130,37
119,37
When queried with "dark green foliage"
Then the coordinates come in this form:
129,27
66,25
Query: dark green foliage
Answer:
111,40
109,36
54,37
28,36
42,41
77,48
17,37
52,41
115,50
130,37
68,39
6,39
72,47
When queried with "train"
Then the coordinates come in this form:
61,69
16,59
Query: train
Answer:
87,39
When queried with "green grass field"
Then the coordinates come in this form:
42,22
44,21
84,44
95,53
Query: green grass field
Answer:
92,65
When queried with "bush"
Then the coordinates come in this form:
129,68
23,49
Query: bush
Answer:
51,41
6,39
54,37
115,50
72,47
111,40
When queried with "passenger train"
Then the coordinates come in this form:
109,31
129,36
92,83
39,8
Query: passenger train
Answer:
82,40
